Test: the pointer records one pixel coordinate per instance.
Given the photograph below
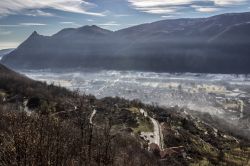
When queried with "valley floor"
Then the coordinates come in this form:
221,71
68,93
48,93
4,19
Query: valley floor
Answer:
43,123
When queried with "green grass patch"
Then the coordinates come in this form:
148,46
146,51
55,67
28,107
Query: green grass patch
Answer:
203,162
145,125
204,147
2,93
134,110
238,157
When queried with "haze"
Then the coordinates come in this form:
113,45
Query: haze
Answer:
19,18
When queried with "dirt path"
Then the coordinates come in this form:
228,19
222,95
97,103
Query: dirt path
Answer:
157,133
92,116
26,109
241,108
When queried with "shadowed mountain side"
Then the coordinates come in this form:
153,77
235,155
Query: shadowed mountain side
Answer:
5,52
218,44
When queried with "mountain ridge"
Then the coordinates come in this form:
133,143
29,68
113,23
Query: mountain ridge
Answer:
203,45
4,52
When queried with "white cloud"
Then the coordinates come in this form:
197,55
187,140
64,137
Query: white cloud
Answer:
122,15
156,3
18,6
159,6
9,25
159,10
4,45
4,32
32,24
228,2
168,16
23,24
67,22
172,6
35,13
110,23
205,9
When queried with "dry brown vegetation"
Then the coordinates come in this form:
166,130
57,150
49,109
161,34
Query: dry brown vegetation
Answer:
56,130
49,140
56,134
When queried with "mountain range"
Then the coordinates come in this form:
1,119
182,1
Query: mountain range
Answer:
218,44
5,52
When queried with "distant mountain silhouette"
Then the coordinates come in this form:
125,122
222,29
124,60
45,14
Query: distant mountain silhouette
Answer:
5,52
218,44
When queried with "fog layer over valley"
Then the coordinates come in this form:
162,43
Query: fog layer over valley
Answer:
222,96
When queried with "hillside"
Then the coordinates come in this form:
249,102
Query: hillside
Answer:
47,124
217,44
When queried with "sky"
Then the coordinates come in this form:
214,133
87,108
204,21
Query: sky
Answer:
19,18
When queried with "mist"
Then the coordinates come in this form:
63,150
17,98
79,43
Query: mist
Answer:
216,95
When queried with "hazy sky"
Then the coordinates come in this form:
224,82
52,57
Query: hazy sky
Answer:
19,18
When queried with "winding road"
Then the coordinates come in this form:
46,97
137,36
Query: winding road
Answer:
157,133
153,137
241,108
92,116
